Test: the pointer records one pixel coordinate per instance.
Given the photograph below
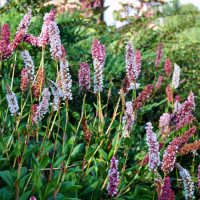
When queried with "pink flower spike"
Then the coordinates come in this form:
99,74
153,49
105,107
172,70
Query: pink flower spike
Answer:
24,80
159,82
159,55
42,109
168,67
33,198
154,154
99,56
198,177
54,39
113,176
25,22
84,76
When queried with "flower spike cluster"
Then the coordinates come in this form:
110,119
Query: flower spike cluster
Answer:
99,55
25,22
169,156
187,182
42,109
5,50
84,76
128,119
113,175
184,114
12,101
154,154
133,63
143,97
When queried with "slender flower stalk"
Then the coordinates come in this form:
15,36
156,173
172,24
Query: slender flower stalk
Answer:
169,156
84,76
128,119
176,76
113,178
42,109
99,55
154,154
12,101
187,182
29,64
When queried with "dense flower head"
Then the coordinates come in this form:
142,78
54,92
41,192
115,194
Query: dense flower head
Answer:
38,83
187,182
128,119
28,63
166,189
65,80
25,22
169,93
12,100
176,76
42,109
184,115
113,175
31,39
159,82
192,147
138,63
44,35
84,76
57,94
169,156
5,50
159,55
198,177
164,123
99,56
143,97
168,67
17,40
54,40
24,80
33,198
98,52
130,62
153,153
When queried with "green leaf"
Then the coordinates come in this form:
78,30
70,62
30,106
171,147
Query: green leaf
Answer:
77,150
7,177
25,195
103,154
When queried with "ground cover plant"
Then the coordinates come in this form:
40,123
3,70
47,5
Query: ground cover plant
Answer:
60,141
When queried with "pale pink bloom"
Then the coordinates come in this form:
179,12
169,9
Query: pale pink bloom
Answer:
113,176
12,100
153,153
25,22
43,107
176,76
